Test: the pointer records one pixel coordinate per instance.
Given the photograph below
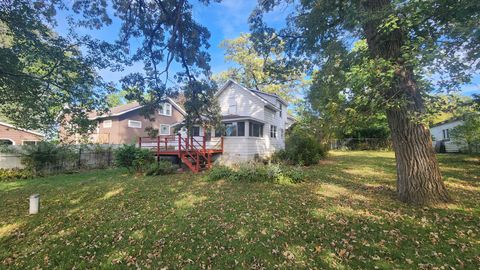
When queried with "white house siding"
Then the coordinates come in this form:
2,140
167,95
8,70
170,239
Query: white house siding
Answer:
437,135
243,148
245,102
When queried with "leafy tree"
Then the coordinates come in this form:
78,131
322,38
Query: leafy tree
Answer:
255,70
468,132
45,75
380,55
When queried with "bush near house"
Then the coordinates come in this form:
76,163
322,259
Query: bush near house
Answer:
133,158
257,172
162,167
301,148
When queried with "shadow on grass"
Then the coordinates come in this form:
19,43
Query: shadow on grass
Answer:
344,216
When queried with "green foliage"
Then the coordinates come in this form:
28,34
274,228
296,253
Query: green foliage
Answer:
256,71
219,172
45,157
300,148
162,167
15,174
133,158
46,76
257,172
468,133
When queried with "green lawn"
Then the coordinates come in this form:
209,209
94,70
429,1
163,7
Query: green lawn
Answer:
343,216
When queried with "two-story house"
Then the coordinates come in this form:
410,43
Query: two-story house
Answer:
124,124
254,123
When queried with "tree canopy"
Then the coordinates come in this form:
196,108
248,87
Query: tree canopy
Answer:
383,55
50,77
266,72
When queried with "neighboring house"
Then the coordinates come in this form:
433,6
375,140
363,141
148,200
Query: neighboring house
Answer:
254,123
11,135
441,135
124,124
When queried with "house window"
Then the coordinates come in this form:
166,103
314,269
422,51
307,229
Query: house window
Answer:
232,105
164,130
235,129
30,142
196,131
282,133
255,130
281,108
165,109
273,131
446,135
134,124
6,142
107,124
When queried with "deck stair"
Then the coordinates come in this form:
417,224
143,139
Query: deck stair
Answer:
194,151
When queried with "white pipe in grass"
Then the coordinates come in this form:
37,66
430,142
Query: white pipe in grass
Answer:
34,204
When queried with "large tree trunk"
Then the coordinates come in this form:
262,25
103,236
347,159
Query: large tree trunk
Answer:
418,175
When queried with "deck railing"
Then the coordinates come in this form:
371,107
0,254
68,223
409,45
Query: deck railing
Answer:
177,143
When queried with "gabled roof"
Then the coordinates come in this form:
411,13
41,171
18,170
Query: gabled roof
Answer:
454,119
26,130
129,107
257,94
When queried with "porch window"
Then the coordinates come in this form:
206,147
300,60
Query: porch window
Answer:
234,129
255,129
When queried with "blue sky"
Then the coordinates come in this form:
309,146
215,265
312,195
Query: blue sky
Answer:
225,20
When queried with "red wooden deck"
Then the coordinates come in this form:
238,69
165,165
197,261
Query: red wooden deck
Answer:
195,152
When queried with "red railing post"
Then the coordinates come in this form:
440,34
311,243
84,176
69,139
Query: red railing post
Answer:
221,143
179,145
204,144
139,142
166,144
158,148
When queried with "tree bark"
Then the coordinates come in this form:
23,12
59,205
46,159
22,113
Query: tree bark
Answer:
419,180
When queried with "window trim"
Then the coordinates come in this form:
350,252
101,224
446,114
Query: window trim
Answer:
273,131
160,129
35,141
132,121
260,130
8,139
107,121
163,109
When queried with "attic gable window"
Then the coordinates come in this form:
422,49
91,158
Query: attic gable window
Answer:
165,109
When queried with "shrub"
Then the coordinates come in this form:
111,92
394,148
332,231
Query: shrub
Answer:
125,155
47,156
133,158
161,168
257,172
301,148
219,172
14,174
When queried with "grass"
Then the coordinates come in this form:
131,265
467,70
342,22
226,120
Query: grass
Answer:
344,216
